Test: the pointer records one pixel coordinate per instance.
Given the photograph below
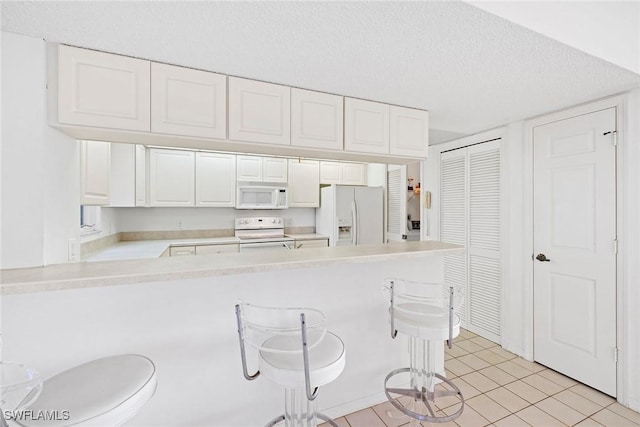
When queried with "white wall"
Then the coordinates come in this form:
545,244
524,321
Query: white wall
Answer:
162,219
40,183
607,29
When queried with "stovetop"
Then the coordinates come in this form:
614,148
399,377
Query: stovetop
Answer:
260,229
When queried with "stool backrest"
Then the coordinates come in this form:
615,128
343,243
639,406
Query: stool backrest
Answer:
278,329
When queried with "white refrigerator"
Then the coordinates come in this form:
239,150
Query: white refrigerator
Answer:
351,215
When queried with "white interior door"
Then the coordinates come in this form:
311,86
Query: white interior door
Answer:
396,203
575,230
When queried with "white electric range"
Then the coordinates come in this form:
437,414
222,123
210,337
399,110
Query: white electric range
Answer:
262,234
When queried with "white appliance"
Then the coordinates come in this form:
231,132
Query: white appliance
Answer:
351,215
252,195
262,234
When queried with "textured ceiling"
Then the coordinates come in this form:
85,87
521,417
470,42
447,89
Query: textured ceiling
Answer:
470,69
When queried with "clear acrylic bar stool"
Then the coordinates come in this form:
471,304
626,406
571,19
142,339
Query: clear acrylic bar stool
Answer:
425,313
295,351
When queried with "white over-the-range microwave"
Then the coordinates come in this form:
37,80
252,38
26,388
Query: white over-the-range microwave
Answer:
256,195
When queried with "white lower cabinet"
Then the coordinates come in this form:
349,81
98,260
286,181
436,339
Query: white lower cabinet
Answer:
304,183
204,249
217,249
215,179
94,170
316,243
171,177
182,250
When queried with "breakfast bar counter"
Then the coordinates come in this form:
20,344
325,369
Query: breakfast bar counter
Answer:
179,312
108,273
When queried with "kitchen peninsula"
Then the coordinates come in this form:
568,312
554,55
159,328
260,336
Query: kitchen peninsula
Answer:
179,312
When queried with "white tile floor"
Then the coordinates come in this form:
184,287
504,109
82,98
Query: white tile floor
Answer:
504,390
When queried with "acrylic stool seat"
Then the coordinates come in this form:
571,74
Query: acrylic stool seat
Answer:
295,351
106,392
421,312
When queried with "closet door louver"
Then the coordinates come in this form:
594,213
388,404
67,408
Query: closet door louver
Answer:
484,238
470,216
453,222
393,184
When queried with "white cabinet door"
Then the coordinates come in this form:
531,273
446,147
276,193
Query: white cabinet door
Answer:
122,175
249,168
215,180
171,177
316,243
366,126
217,249
94,169
103,90
409,132
354,174
304,183
182,250
274,169
188,102
316,119
259,112
142,160
330,173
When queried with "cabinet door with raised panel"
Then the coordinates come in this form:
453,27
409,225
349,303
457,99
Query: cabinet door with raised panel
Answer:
171,177
188,102
259,112
274,169
215,179
304,183
101,89
316,119
409,132
142,158
354,174
94,169
249,168
366,126
330,173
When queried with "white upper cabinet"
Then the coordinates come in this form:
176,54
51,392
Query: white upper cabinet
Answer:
259,112
215,179
261,169
94,170
330,173
103,90
249,168
274,169
188,102
354,174
316,120
304,183
409,132
142,159
366,126
343,173
171,177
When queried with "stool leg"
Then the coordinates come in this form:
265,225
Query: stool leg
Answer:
299,411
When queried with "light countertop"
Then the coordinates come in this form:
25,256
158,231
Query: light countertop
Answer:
307,236
110,273
141,249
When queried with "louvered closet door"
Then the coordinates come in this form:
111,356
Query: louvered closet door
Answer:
470,216
484,239
453,218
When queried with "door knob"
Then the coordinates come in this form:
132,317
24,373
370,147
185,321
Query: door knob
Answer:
542,257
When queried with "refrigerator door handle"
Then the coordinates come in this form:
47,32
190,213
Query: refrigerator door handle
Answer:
354,221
